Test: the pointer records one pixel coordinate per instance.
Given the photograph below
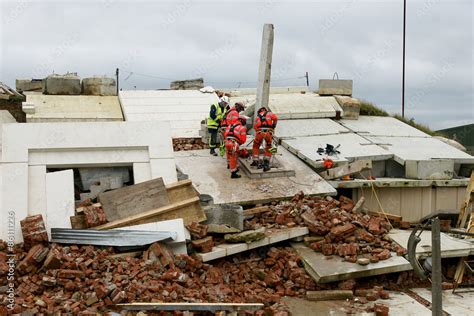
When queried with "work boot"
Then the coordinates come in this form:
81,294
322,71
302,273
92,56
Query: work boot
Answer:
266,166
213,152
260,165
235,175
254,163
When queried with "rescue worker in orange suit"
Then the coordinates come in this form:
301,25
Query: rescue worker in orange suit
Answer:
264,127
235,135
230,117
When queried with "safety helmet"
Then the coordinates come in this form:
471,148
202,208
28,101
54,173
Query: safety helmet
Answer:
225,99
262,109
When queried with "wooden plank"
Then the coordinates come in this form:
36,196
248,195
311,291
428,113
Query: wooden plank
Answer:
211,307
78,222
463,215
326,295
391,217
351,168
257,210
180,190
134,199
182,209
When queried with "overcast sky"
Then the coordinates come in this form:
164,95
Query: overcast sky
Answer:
220,41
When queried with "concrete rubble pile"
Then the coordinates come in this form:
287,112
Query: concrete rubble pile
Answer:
335,228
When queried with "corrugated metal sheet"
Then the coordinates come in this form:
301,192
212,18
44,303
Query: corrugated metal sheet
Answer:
185,109
109,237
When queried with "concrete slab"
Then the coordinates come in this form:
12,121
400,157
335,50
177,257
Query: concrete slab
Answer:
272,236
335,87
308,127
185,109
210,176
420,148
278,169
330,269
18,139
90,176
450,247
436,169
303,106
455,304
225,214
352,147
381,126
74,108
59,199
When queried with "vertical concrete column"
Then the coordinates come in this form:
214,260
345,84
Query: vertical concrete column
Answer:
264,69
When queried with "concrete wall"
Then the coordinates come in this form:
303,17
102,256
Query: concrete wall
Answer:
412,203
29,149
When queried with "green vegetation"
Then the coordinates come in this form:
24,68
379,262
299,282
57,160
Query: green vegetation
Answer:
368,108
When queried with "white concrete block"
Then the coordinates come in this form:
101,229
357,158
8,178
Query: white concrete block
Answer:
14,197
20,138
232,249
176,225
436,169
164,168
141,172
259,243
37,190
59,199
278,236
214,254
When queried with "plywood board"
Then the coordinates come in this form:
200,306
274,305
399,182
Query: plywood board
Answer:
325,269
211,176
134,199
450,246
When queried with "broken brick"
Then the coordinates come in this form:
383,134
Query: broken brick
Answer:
203,245
197,231
33,230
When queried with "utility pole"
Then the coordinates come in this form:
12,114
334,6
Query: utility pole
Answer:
117,79
307,79
264,69
403,69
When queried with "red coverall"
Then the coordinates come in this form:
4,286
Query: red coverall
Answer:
264,125
235,135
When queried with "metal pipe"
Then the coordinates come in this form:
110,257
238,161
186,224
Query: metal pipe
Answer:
436,289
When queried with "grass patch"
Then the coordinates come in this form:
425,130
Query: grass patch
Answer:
368,108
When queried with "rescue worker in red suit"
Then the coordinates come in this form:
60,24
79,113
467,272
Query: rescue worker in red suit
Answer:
235,135
232,114
264,127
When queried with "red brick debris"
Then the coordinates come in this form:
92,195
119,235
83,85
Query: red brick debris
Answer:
343,232
84,279
33,230
180,144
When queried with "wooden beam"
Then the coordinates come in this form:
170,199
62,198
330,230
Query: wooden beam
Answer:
463,214
211,307
352,168
257,210
139,218
328,295
134,199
